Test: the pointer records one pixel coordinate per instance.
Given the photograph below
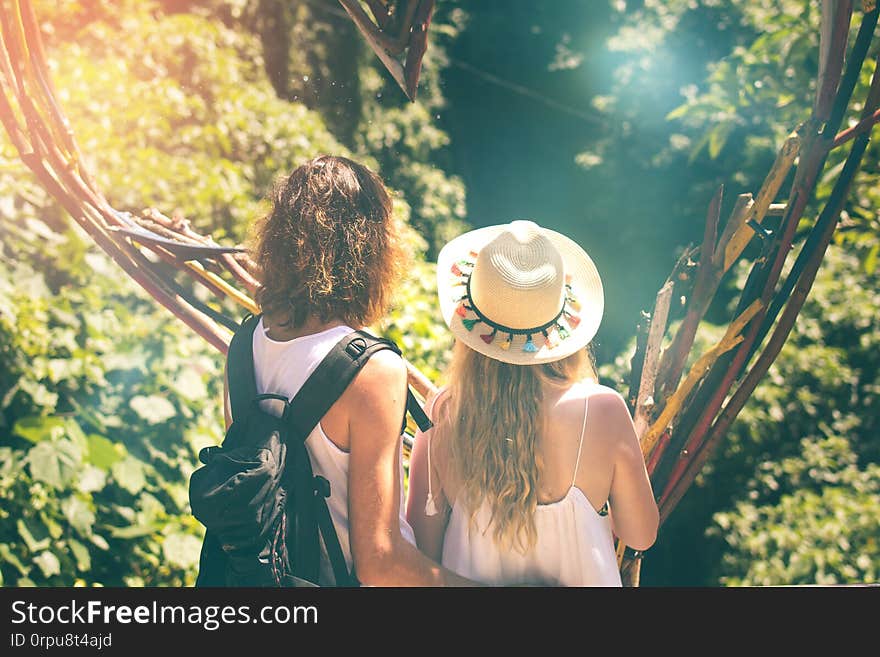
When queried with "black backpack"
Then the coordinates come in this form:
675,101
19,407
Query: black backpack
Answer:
265,513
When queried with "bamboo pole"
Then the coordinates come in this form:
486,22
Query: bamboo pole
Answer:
644,400
732,337
742,234
862,126
708,276
637,362
836,16
418,44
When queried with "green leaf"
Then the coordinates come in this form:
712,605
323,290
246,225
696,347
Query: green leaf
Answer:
37,428
80,554
55,462
8,556
135,531
870,263
129,474
152,409
99,541
182,550
78,514
48,563
190,385
55,530
91,479
33,533
699,146
678,112
718,137
103,452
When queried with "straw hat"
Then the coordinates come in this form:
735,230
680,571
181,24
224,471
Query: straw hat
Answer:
519,293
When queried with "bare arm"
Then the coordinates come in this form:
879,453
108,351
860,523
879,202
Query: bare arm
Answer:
429,530
382,557
634,511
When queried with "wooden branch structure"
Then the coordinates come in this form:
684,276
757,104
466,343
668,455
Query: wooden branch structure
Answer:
400,29
680,422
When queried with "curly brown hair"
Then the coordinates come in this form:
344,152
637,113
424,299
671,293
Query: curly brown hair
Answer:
329,247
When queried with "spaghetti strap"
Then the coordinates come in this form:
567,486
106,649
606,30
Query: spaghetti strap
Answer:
581,444
430,504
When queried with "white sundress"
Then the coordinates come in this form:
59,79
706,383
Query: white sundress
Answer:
574,546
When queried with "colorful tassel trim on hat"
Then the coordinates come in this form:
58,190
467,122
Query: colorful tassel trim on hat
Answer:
469,323
567,321
457,267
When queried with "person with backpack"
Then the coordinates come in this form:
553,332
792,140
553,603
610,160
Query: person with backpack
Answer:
307,488
532,466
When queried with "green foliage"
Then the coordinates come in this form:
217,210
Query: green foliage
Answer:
745,76
805,450
821,530
99,426
415,322
105,398
405,139
191,102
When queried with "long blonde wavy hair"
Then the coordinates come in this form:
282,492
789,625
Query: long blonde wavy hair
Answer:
491,424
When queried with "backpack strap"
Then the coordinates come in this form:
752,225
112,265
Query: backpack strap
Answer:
341,575
240,376
319,392
323,387
414,408
333,375
330,379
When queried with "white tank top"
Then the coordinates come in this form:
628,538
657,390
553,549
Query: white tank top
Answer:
574,547
282,368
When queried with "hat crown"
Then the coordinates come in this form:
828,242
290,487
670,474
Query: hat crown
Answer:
518,279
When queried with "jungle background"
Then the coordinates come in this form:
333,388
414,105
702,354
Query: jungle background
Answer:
612,122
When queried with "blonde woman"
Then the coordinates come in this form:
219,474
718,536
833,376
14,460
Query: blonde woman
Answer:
531,464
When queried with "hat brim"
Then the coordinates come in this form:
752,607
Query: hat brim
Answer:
585,284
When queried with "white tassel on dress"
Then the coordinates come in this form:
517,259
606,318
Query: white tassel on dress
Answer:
430,506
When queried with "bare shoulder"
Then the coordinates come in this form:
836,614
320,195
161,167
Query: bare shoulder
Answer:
436,403
601,399
606,401
383,377
609,410
385,369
